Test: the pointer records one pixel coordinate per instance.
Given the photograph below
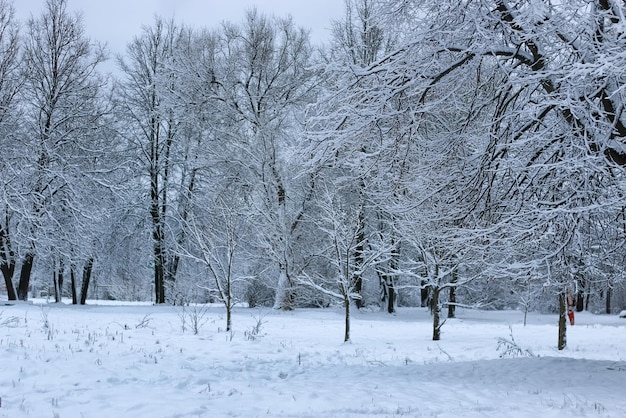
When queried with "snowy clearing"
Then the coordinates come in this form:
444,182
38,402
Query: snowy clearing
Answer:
104,361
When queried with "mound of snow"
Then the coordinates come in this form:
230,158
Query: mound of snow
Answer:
622,314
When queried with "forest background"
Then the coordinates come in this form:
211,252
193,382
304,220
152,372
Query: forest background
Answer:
434,153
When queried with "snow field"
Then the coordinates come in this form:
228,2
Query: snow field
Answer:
102,361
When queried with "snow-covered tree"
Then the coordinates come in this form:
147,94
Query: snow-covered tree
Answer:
215,238
509,116
340,224
265,78
63,113
553,145
10,81
153,124
358,41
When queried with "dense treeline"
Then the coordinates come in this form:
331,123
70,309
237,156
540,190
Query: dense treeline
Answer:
440,153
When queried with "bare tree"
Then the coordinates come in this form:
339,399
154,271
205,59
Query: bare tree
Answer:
153,132
340,223
63,111
549,168
360,39
215,236
10,82
265,80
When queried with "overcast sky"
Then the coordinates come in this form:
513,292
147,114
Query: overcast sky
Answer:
116,22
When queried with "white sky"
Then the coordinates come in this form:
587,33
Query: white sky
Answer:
116,22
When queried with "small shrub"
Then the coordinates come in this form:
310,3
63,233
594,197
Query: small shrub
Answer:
193,316
510,348
11,321
254,332
145,322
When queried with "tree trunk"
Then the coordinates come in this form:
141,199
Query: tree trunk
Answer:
157,227
229,302
61,279
562,343
7,262
425,295
56,285
284,298
7,272
159,265
388,297
452,298
391,297
73,284
357,278
86,278
607,301
346,302
172,268
390,277
229,317
24,283
284,294
452,303
436,313
580,295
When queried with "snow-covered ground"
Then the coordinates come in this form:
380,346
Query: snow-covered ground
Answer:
136,361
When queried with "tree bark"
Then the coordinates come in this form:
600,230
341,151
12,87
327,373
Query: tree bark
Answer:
24,283
159,275
390,282
73,284
436,313
580,295
388,297
358,254
86,278
425,295
452,297
346,302
8,269
607,301
562,341
159,256
284,298
156,208
7,262
391,297
229,301
56,285
61,279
